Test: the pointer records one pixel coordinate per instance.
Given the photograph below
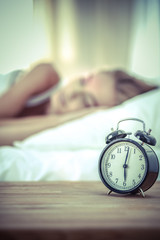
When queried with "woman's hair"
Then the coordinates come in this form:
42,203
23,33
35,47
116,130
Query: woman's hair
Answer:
129,85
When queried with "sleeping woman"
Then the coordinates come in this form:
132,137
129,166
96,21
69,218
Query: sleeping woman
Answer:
36,101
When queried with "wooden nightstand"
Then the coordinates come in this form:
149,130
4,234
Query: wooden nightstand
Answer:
76,210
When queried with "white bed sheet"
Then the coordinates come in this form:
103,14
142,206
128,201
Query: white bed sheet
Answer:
71,151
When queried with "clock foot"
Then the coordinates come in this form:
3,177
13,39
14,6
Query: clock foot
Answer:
141,192
109,192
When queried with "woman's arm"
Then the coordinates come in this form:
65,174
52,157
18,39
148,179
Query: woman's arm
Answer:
39,79
17,129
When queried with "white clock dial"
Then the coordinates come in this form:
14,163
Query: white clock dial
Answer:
123,166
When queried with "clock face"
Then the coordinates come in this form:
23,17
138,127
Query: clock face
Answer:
123,166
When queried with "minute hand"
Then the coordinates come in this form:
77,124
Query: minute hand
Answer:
125,165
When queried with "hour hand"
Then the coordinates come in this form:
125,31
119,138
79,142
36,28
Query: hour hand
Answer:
125,174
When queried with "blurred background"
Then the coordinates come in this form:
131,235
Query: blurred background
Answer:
77,35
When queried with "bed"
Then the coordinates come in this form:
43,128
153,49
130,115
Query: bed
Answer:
71,151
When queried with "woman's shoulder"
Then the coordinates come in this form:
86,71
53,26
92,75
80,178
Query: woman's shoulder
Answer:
8,80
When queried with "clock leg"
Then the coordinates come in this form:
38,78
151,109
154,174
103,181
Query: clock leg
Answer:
141,192
109,192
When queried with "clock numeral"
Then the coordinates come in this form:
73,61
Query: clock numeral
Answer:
113,156
119,150
139,175
116,180
140,158
108,165
110,174
134,151
124,184
134,182
126,148
142,167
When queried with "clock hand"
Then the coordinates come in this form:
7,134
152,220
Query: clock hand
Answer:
125,165
125,174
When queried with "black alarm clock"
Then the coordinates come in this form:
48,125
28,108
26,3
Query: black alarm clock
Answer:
127,165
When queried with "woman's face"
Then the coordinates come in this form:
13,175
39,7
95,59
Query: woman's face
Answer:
96,89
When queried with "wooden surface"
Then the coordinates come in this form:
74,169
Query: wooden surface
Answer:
76,210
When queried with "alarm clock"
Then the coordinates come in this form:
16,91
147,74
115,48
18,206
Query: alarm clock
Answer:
127,165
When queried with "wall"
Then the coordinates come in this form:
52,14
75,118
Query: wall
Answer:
89,34
23,37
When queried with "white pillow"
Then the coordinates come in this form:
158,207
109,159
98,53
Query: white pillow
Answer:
90,131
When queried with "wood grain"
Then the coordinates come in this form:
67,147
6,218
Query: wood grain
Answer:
76,210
